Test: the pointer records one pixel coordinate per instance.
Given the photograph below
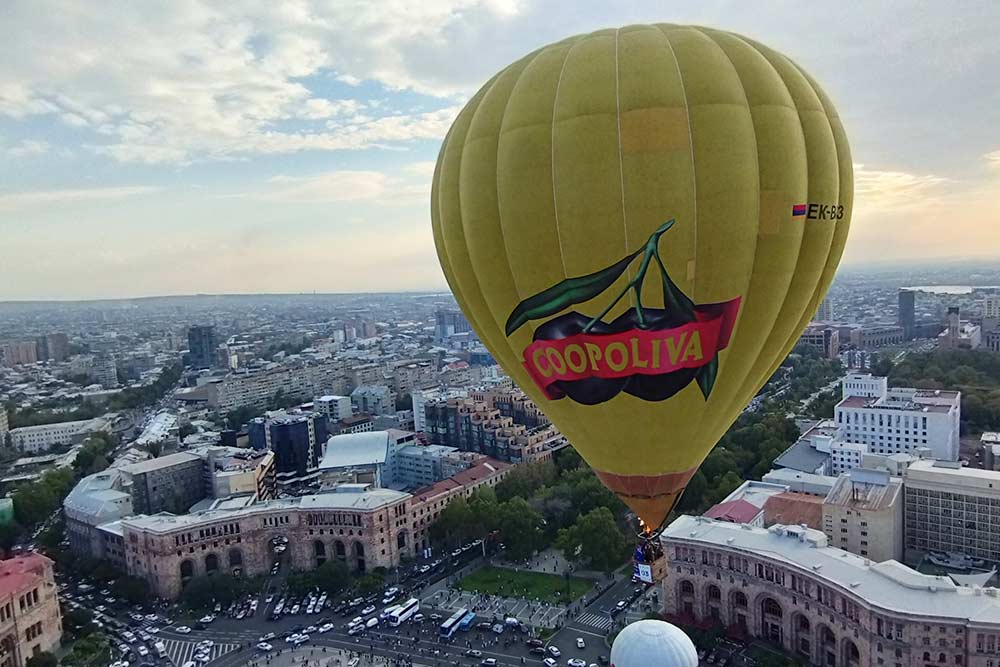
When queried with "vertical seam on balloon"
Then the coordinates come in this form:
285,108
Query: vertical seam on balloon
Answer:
621,161
555,195
694,171
496,168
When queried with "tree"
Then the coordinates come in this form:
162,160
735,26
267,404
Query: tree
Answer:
133,589
332,576
155,448
204,591
520,528
404,402
235,419
78,622
10,533
524,480
693,498
370,583
485,512
454,523
594,540
43,659
723,487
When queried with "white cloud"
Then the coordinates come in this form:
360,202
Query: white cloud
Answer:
335,186
29,147
894,189
425,168
183,82
993,158
19,200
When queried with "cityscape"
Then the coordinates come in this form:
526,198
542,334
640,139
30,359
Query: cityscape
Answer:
499,333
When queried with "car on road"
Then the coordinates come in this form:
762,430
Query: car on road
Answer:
549,662
268,637
424,569
456,553
537,650
367,610
357,620
207,619
183,629
554,651
356,629
326,627
474,653
372,623
534,642
264,646
603,659
142,651
489,662
580,643
621,605
576,662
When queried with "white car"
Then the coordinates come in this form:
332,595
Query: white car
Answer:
301,639
206,644
152,629
142,651
369,609
183,629
357,620
207,619
576,662
325,628
264,646
580,643
554,651
549,662
621,605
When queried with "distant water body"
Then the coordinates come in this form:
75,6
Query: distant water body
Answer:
950,289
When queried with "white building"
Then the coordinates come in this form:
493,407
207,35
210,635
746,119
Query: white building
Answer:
374,399
898,420
846,456
32,439
863,514
368,457
334,407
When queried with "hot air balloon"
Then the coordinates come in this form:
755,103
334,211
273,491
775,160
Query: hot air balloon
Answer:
650,642
638,223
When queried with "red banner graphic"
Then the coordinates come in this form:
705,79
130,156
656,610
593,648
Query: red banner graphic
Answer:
634,351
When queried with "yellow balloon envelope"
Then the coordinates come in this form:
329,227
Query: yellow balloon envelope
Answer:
638,223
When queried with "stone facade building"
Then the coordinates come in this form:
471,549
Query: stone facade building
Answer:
30,619
784,585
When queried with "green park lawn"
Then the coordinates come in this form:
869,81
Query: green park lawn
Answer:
530,585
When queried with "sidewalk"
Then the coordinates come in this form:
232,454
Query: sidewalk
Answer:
316,656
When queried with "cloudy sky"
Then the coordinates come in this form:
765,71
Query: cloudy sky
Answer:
187,146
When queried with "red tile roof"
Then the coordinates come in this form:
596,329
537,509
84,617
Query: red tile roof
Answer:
734,511
794,509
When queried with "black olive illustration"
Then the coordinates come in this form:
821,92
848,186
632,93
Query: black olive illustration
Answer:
588,391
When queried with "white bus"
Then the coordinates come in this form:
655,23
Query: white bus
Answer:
448,627
404,612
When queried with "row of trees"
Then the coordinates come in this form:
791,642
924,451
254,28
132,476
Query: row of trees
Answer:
975,373
542,504
747,451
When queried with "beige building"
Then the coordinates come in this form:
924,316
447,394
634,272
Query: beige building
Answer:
863,514
952,509
785,585
363,526
30,619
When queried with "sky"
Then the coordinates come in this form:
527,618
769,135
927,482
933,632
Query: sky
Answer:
184,146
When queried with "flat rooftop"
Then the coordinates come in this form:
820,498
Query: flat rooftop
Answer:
161,462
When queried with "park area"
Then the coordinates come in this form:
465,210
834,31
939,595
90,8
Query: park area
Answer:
550,588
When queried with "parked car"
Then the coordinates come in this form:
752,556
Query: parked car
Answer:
580,643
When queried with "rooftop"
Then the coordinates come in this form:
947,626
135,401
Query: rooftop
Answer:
22,572
355,449
802,456
734,511
888,585
794,509
159,463
866,489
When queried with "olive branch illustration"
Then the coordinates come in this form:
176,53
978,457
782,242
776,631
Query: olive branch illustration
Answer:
579,289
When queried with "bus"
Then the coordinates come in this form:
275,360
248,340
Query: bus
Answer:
404,612
467,621
448,627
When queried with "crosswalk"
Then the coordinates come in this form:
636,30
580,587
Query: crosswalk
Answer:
180,651
599,621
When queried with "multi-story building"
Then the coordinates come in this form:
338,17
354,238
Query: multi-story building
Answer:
863,514
30,618
419,466
825,311
232,471
368,457
105,371
874,335
334,408
255,388
363,526
297,440
898,420
448,323
97,499
951,508
824,338
906,314
201,346
31,439
18,354
171,483
412,375
421,397
846,456
786,585
960,334
374,399
4,426
52,347
354,424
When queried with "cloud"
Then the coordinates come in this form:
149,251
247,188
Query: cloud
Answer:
348,186
29,147
993,158
894,189
425,169
20,200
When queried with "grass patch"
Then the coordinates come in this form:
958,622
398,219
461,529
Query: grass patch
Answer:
531,585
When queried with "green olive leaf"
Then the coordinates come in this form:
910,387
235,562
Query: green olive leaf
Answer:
706,376
566,293
674,299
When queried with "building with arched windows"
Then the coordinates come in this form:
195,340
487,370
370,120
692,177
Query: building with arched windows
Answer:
785,585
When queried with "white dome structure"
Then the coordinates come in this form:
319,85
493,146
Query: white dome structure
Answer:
653,644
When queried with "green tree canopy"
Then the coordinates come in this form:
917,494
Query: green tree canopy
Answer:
520,528
595,541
